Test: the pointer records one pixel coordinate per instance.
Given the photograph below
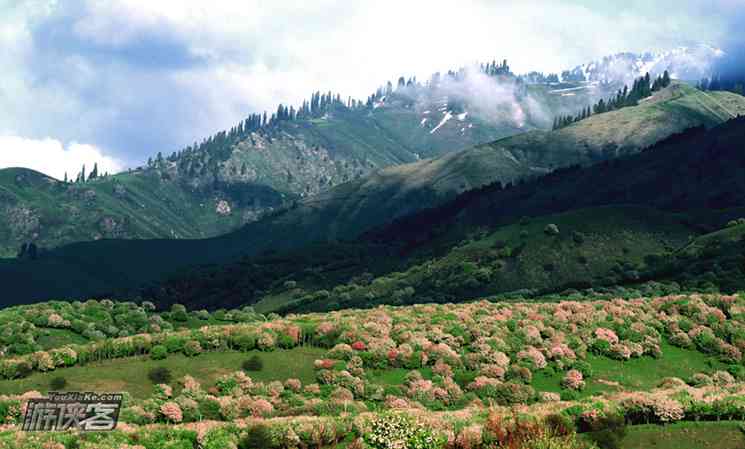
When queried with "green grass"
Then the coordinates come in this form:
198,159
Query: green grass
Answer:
130,374
727,235
395,376
685,435
642,373
55,338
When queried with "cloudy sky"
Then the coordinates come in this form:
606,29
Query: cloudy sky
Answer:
116,81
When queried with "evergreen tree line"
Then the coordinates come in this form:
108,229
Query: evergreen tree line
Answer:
719,82
539,78
81,177
489,68
193,158
495,69
643,87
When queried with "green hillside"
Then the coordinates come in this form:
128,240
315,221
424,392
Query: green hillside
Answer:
596,246
137,205
623,222
236,176
349,210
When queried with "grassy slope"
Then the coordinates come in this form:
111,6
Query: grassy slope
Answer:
149,208
130,374
713,260
638,374
615,239
685,435
344,211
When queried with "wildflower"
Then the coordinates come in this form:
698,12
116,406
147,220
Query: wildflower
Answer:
172,412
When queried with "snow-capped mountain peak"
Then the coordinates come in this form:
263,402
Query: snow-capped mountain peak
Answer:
685,62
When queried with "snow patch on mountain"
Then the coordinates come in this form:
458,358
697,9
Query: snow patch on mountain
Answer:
444,120
690,63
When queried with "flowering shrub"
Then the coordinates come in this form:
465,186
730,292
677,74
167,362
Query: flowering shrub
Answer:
398,431
172,412
42,361
574,380
722,378
606,335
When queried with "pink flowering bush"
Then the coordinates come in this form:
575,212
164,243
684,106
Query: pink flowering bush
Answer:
172,412
442,368
573,380
260,408
606,335
293,385
534,356
342,351
667,410
324,364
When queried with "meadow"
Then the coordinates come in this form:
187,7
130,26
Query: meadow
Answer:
603,373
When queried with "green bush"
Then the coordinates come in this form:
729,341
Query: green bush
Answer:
509,393
285,341
219,438
600,347
569,395
244,342
607,431
23,369
192,348
209,409
578,237
160,375
159,352
57,383
551,229
583,367
253,364
178,313
9,411
257,437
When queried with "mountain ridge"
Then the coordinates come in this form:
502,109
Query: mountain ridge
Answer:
264,163
353,208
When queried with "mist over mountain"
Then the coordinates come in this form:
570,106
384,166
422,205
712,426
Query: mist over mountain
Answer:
690,63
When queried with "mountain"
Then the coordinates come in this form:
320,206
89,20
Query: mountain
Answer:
345,211
234,177
350,209
690,63
657,215
672,213
265,162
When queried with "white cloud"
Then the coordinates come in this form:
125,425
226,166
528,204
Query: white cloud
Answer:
52,158
141,76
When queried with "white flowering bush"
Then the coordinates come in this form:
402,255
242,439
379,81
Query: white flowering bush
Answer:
399,431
